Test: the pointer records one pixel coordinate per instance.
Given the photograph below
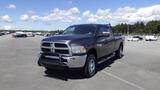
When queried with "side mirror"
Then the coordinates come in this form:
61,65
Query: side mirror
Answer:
104,34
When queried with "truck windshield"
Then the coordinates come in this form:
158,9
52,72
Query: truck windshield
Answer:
80,29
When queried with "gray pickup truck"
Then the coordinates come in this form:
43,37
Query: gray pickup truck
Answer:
80,46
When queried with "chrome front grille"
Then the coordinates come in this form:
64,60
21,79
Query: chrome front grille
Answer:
55,47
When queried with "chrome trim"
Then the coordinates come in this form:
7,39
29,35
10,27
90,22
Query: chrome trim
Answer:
53,57
75,61
61,48
72,61
105,59
53,46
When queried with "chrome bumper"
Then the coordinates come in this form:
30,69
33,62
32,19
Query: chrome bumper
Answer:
64,61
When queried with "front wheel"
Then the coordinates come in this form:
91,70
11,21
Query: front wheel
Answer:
49,69
119,52
90,66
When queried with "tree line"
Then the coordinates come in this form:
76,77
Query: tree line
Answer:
151,27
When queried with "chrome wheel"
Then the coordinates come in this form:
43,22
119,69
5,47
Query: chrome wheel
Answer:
121,51
91,67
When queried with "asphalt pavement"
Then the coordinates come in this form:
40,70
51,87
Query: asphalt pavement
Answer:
139,69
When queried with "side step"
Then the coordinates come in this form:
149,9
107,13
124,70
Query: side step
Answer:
106,58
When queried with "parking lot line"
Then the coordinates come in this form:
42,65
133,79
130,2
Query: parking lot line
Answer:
123,80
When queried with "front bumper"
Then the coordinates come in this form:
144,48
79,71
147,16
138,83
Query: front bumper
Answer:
61,61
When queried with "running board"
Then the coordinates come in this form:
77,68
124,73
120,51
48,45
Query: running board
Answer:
105,59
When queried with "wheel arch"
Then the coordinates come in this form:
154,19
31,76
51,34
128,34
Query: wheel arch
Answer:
92,51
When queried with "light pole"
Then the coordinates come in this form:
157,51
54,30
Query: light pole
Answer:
128,28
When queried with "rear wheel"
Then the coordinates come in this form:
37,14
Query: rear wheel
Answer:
90,66
119,52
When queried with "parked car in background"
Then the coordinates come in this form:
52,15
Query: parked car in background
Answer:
151,38
132,38
30,34
2,33
47,35
19,34
38,33
139,37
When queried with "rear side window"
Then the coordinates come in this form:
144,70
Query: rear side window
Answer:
103,29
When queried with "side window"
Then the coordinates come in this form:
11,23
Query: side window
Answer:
103,30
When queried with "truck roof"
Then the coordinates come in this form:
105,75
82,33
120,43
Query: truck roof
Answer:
94,24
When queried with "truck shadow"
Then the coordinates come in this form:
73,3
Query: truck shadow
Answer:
76,74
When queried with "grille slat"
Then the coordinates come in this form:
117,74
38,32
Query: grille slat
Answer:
60,45
62,51
46,44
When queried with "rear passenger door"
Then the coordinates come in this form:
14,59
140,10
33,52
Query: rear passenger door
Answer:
104,44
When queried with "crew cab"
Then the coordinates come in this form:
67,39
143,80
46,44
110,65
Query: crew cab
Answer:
80,46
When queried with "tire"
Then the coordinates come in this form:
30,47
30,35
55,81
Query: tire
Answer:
90,68
119,52
49,69
39,64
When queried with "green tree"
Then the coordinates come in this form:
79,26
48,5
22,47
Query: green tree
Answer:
151,27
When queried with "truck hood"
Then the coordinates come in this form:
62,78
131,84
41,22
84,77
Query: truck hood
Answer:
68,38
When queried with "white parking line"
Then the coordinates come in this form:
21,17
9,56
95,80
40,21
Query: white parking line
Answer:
123,80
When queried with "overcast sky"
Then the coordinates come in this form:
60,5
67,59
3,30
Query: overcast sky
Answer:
58,14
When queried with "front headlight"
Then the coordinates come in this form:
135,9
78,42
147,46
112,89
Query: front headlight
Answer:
77,49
